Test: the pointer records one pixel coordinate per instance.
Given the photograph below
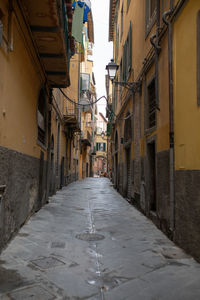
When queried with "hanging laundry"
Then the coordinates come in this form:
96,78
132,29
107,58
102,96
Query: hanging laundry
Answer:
87,9
77,24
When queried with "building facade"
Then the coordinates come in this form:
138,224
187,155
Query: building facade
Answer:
40,126
154,143
101,158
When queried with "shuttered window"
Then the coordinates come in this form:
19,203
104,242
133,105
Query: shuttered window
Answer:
152,104
127,56
129,49
122,21
41,117
101,147
198,58
150,14
124,62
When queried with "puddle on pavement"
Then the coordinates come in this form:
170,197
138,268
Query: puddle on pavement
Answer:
9,279
107,283
93,253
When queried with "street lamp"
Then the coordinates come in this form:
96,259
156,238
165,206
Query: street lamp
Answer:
112,68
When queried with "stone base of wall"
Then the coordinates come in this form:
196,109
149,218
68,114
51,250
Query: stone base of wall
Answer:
187,212
20,175
162,190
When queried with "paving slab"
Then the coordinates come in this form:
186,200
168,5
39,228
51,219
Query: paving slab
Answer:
90,243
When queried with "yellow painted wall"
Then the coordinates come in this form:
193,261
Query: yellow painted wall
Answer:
186,111
20,82
140,47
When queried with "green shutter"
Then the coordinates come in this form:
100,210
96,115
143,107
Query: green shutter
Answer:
104,147
109,128
97,146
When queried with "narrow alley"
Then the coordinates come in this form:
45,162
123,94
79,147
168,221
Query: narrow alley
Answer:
90,243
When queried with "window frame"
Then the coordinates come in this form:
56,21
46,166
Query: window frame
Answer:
41,142
148,104
122,21
149,19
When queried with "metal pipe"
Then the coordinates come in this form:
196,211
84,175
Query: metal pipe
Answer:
171,115
48,175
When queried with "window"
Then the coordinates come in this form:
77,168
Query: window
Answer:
124,67
126,64
101,147
1,27
122,21
198,58
41,117
150,14
151,104
129,50
127,128
85,82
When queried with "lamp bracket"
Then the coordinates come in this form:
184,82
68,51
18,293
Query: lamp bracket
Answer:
131,86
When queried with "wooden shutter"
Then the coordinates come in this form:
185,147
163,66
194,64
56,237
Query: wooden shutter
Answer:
130,48
104,147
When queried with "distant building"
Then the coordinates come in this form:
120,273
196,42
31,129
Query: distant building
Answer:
100,163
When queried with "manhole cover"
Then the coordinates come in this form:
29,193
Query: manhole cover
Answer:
47,262
31,292
90,237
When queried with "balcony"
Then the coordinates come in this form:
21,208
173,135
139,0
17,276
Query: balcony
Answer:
47,22
71,117
86,139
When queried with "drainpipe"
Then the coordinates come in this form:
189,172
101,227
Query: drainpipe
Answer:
171,115
157,48
48,176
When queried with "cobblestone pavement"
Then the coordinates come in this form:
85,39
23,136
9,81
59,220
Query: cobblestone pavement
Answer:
89,243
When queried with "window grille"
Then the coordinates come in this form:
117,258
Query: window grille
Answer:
152,104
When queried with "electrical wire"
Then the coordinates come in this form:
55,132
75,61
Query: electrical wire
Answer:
102,97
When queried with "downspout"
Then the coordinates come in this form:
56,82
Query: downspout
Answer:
157,52
48,176
171,115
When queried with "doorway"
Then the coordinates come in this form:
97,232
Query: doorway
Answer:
128,173
151,148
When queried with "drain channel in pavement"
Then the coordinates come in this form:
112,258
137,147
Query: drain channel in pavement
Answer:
90,237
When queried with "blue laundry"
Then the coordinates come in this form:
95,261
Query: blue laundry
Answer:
86,9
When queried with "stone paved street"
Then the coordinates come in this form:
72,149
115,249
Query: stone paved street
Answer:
90,243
